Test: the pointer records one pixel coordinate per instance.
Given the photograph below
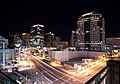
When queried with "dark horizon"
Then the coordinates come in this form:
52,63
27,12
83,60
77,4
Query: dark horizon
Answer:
58,17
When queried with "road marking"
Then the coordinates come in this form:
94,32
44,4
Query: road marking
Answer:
56,69
67,80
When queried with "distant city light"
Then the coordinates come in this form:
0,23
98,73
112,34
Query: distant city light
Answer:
17,45
73,31
24,34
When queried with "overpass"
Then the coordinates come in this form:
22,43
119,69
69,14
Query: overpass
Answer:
5,79
108,75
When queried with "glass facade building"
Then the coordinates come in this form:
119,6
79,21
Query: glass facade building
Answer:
90,34
49,40
37,36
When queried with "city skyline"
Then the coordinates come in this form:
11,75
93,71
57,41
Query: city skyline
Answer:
59,42
59,18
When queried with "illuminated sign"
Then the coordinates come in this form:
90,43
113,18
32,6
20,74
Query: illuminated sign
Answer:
38,25
87,14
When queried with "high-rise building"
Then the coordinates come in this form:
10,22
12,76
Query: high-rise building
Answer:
13,40
73,38
90,34
57,41
11,43
49,39
63,45
25,40
17,39
37,36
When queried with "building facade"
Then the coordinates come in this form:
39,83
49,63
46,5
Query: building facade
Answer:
13,40
113,41
73,39
57,41
63,45
17,39
49,40
25,40
37,36
90,34
63,56
11,44
113,46
6,55
5,41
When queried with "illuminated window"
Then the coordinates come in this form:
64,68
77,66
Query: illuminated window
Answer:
8,57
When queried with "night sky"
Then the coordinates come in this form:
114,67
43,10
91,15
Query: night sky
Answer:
59,17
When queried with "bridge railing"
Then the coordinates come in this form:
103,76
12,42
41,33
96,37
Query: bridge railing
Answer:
8,80
100,77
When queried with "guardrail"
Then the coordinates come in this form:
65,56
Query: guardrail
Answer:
8,79
100,77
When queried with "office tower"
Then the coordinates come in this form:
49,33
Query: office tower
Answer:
25,40
13,40
49,39
90,33
11,43
63,45
73,38
17,39
57,41
37,36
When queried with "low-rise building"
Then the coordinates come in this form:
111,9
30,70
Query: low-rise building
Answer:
63,56
6,55
113,41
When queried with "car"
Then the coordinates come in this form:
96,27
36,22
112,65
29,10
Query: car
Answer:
14,68
22,52
86,74
47,57
36,54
